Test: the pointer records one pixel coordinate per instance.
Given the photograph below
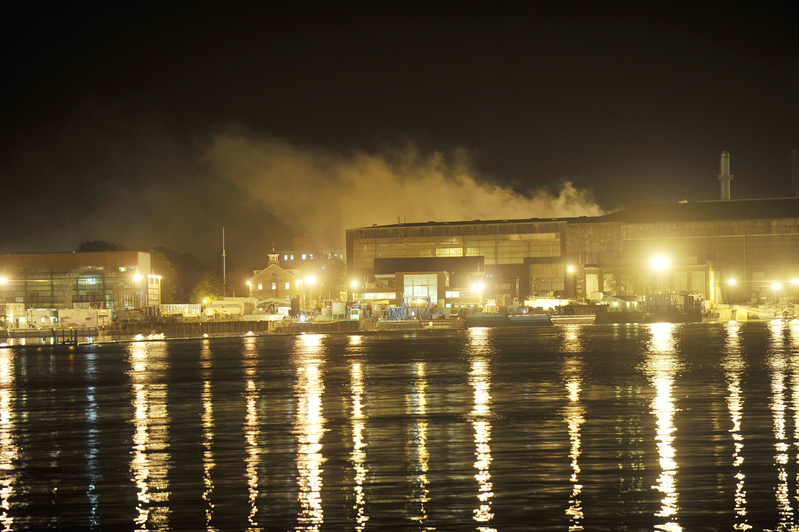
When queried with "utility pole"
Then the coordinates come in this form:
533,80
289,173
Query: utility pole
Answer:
224,277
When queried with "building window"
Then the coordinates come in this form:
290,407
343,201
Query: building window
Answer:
303,256
421,286
288,285
260,286
274,286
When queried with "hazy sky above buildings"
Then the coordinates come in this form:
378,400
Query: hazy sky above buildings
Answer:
157,123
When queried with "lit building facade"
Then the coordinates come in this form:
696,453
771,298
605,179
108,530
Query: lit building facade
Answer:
105,280
724,251
274,286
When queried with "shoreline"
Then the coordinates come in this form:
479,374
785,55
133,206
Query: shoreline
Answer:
242,329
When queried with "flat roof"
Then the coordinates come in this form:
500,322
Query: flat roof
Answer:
697,211
742,209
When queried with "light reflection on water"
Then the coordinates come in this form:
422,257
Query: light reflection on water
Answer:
93,468
662,368
570,427
358,454
207,416
574,415
480,379
150,459
419,455
779,368
9,452
734,365
309,428
252,429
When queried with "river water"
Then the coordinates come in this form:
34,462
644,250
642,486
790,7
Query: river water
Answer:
600,427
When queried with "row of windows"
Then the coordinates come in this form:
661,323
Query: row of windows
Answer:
497,249
748,252
728,228
274,286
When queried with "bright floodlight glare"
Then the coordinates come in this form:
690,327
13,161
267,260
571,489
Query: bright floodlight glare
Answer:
310,279
660,263
137,277
731,281
776,286
354,284
478,287
3,280
570,268
794,281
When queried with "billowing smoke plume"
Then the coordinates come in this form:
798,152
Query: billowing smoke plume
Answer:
321,194
108,176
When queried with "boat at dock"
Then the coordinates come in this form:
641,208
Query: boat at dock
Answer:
507,320
573,319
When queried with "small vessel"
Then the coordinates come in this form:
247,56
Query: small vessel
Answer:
574,319
507,320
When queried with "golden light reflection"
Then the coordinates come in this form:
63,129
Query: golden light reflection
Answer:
793,329
734,366
251,434
779,366
358,454
630,433
311,343
662,367
575,417
572,340
252,429
92,440
309,427
355,339
9,451
206,363
150,458
480,380
420,459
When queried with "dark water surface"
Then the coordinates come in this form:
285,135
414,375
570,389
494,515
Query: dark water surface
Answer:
627,427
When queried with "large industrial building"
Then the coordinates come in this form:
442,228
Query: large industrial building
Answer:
115,280
739,251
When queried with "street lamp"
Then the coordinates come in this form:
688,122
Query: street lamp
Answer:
795,283
573,287
479,289
137,277
731,282
310,281
301,295
660,263
777,287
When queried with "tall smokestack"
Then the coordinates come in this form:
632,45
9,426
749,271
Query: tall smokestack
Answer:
725,176
795,173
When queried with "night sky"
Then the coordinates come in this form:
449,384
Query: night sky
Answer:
158,123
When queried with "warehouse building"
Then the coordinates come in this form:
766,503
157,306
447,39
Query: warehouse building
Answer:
115,280
738,251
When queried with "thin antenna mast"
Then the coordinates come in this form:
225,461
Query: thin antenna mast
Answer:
224,277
